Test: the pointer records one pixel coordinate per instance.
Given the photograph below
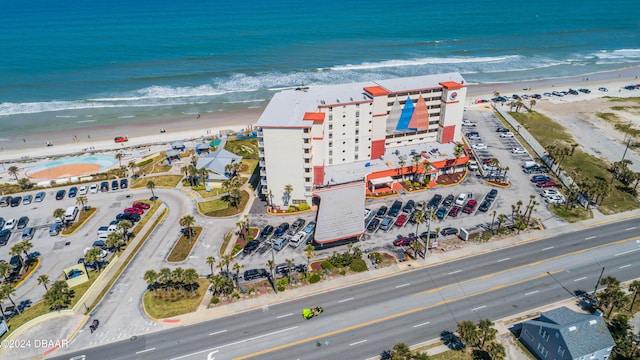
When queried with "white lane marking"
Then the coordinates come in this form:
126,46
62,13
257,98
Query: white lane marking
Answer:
479,307
282,316
626,252
144,351
218,332
454,272
624,266
531,293
210,356
547,248
418,325
358,342
631,228
590,237
505,259
403,285
579,279
235,343
345,300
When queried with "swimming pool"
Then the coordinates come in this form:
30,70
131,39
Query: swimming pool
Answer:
101,161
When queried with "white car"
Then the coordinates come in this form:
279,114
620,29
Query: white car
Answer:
83,190
10,224
555,199
461,199
468,123
550,192
507,134
473,165
518,150
479,146
93,189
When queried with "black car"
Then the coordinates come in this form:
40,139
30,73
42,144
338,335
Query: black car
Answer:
448,231
4,236
266,231
281,230
16,200
100,244
22,222
251,246
432,235
283,269
492,194
232,276
448,200
1,222
502,129
128,216
395,208
382,211
124,183
104,186
255,274
484,207
73,191
114,185
373,225
60,194
435,202
408,208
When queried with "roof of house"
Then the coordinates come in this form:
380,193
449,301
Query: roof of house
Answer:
202,146
216,162
172,153
177,143
582,334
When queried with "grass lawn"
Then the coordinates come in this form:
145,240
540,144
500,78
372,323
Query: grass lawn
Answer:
169,181
83,215
215,191
219,207
580,164
183,247
160,308
248,166
248,149
452,355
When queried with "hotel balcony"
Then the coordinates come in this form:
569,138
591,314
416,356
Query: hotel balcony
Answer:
308,155
262,164
260,143
263,172
306,145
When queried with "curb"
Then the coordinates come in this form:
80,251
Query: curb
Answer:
81,224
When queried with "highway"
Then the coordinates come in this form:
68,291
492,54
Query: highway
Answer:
414,306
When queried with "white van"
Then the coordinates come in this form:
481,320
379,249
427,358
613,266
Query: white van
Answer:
280,243
299,238
71,214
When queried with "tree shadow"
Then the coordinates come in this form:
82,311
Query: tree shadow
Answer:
451,340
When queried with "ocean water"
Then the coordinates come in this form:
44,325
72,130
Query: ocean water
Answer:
73,64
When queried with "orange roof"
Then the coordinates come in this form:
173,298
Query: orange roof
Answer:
377,90
316,117
450,162
451,85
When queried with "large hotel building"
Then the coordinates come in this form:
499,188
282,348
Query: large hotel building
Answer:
332,145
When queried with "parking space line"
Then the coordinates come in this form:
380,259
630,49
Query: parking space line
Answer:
579,279
358,342
418,325
403,285
283,316
345,300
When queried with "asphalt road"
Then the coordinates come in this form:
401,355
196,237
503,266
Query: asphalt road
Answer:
361,321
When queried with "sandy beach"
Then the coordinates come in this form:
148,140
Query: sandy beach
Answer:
101,138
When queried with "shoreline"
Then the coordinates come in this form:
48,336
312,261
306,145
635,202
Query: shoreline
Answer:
99,138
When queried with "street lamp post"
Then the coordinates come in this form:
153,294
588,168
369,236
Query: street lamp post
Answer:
273,264
426,245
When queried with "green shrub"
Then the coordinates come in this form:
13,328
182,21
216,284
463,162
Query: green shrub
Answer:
281,288
252,290
215,300
327,265
416,184
303,207
283,282
235,295
343,272
314,278
358,265
376,257
292,208
145,162
237,248
408,183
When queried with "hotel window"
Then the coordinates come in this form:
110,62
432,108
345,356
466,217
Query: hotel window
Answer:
330,152
330,117
357,140
356,148
307,179
330,143
357,113
330,161
330,135
330,108
357,123
355,157
306,130
357,132
330,126
307,170
357,106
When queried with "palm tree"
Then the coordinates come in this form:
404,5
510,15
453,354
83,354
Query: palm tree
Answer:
92,256
5,270
164,278
119,157
289,266
26,246
13,171
288,189
211,261
401,351
634,287
43,280
457,153
425,167
190,278
415,162
468,333
177,277
7,290
24,183
58,295
124,226
501,218
270,264
59,214
487,332
417,247
226,261
496,350
16,250
114,240
132,166
401,164
309,252
151,277
187,222
531,103
82,201
236,268
151,185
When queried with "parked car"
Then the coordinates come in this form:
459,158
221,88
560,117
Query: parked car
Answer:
507,134
442,212
84,189
434,202
502,129
5,201
281,229
461,199
472,165
382,211
93,188
535,170
401,220
549,192
251,246
386,223
448,200
484,207
16,200
40,196
141,205
134,210
128,216
114,185
27,233
55,229
27,199
448,231
470,206
540,178
73,191
266,231
555,199
4,236
124,183
104,186
252,274
420,205
22,222
479,146
409,206
60,194
373,225
454,211
546,184
518,150
10,224
603,89
395,208
432,235
403,241
492,194
296,226
311,227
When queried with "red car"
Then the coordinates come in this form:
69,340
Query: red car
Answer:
133,210
141,205
403,241
121,139
454,211
401,220
471,205
546,184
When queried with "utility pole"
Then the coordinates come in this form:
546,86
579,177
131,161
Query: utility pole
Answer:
426,246
596,288
273,261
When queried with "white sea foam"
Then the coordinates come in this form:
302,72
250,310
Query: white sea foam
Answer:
86,121
66,116
126,116
420,61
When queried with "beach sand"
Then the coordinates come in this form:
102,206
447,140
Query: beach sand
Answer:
100,138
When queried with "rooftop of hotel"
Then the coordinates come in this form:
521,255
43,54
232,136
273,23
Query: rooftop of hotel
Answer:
287,108
358,170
